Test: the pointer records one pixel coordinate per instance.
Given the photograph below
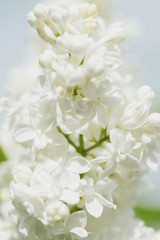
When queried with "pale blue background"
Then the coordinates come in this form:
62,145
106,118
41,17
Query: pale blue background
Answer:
145,52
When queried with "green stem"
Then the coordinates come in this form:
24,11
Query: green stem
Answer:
103,133
68,139
81,144
97,144
81,148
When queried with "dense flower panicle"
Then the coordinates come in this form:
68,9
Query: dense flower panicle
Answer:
85,141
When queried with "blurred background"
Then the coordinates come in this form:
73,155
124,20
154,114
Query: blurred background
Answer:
142,51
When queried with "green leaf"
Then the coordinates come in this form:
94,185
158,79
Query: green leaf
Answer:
151,217
3,157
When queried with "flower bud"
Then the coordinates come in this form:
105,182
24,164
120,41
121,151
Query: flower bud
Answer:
57,211
22,174
92,10
84,9
59,15
32,19
88,10
46,58
90,24
153,122
44,61
145,93
40,11
116,33
95,66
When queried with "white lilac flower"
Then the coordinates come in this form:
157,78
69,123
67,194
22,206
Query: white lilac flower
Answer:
35,136
92,195
101,61
53,103
125,149
12,107
74,165
135,114
76,45
105,164
70,75
97,99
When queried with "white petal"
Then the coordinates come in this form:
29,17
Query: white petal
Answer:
70,197
131,163
84,107
106,186
19,192
112,101
33,205
26,225
130,142
153,122
101,115
116,33
79,232
54,231
113,62
77,219
74,180
93,206
101,159
20,209
40,231
70,75
117,138
60,145
78,164
22,174
145,139
151,161
89,90
95,66
145,93
41,141
104,201
65,104
24,133
104,87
